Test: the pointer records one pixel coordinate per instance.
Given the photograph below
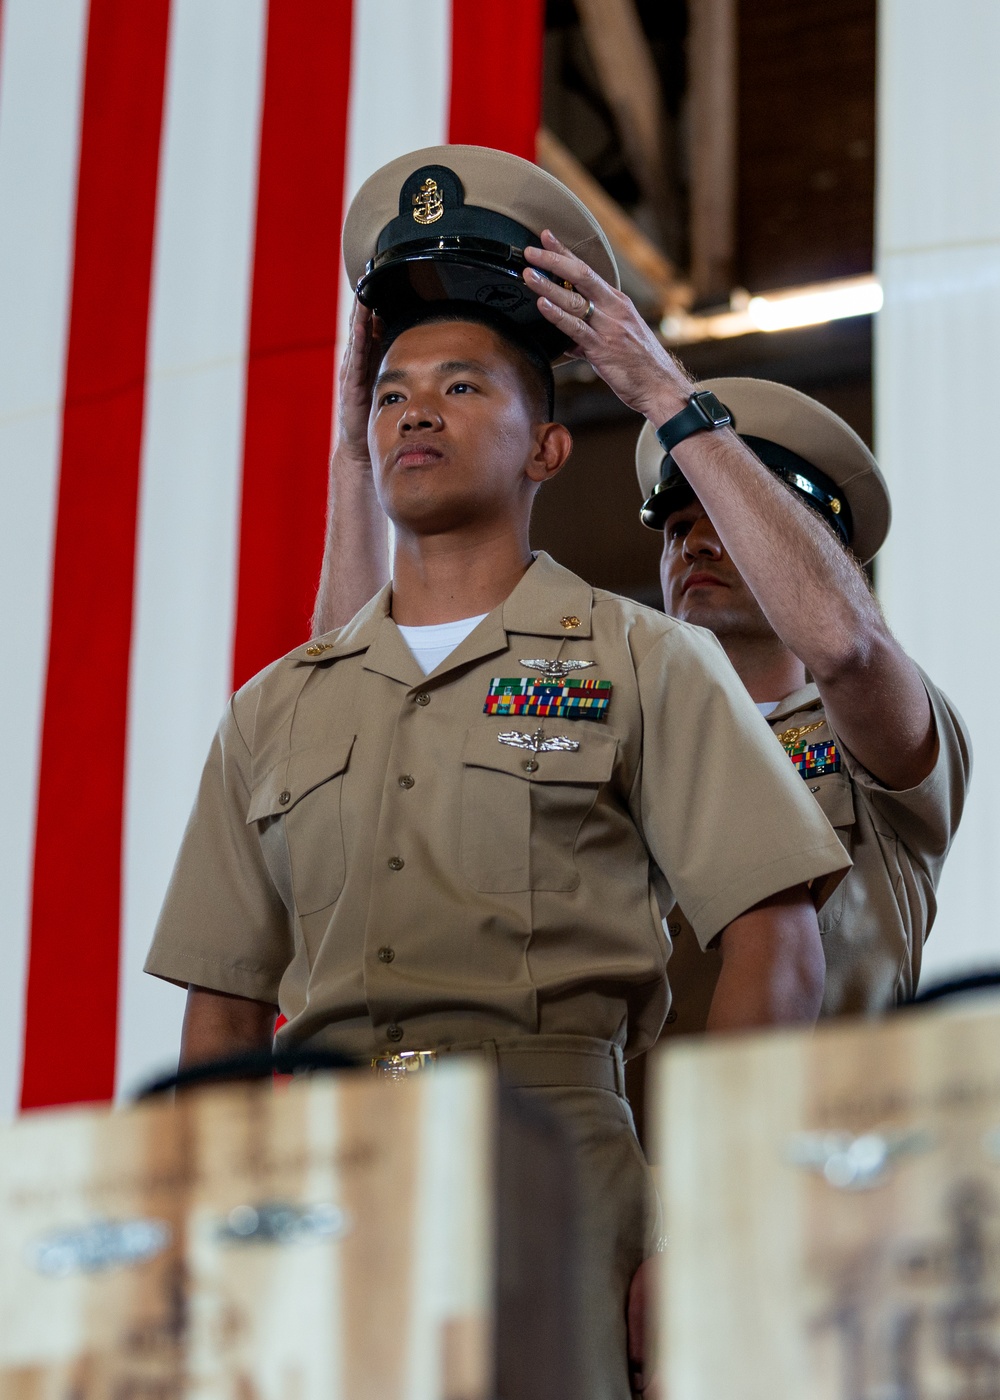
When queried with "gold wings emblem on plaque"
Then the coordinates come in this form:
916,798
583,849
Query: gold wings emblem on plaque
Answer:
428,203
854,1163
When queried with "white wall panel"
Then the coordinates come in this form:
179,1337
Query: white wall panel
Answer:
937,389
181,656
42,50
939,115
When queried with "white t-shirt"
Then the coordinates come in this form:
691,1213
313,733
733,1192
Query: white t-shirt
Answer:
430,645
767,707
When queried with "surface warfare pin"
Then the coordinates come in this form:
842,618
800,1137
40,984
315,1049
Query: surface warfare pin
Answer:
537,742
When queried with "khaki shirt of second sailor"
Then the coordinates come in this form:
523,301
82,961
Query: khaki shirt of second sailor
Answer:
875,925
366,854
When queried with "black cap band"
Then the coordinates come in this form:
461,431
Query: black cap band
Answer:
673,492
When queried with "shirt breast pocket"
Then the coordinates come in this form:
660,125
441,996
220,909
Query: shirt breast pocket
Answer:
522,810
297,810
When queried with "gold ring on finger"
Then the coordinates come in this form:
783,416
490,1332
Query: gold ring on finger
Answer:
589,312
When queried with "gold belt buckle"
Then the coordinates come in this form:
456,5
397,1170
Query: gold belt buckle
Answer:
401,1065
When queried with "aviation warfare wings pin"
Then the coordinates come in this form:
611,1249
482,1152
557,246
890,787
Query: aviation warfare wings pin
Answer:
554,670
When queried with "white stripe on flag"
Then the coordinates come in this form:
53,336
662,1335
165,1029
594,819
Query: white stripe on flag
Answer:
42,50
400,93
191,474
400,99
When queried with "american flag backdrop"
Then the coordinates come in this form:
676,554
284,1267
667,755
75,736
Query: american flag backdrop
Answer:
173,177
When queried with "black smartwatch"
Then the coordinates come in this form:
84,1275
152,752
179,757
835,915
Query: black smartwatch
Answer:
703,413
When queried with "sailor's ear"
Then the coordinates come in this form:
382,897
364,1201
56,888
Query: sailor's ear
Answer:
553,444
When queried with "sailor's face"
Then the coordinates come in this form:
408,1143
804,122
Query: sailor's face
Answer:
700,582
451,427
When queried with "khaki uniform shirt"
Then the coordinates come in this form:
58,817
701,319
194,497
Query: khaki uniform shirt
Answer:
367,854
875,924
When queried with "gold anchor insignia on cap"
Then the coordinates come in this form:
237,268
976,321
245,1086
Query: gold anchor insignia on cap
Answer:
554,670
428,203
537,742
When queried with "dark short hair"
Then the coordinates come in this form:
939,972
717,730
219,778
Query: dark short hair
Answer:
533,363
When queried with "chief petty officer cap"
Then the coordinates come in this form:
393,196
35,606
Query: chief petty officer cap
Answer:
803,442
450,223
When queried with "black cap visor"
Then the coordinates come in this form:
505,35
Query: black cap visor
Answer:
673,492
402,282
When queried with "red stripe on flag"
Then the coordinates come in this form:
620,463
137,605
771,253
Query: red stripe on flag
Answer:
496,74
293,326
72,995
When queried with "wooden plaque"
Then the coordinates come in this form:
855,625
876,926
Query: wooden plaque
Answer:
332,1240
832,1212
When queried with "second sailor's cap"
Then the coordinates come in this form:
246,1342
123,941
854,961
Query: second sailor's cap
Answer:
802,441
449,224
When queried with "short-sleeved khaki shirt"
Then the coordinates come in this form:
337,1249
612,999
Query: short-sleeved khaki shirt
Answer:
366,853
875,924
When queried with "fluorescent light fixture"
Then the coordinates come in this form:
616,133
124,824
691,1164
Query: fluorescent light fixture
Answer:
812,306
778,311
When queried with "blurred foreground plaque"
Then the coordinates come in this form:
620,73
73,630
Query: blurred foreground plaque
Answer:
832,1205
333,1239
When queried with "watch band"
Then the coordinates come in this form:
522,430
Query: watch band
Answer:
703,413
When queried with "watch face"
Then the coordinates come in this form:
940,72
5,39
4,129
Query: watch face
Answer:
717,413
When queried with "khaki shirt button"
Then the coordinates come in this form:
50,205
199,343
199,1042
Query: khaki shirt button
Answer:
394,1032
673,930
396,862
406,781
530,765
386,955
285,797
422,698
671,1016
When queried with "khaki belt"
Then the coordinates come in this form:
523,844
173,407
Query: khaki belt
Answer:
537,1062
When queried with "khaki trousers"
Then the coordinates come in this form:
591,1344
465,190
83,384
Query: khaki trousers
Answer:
582,1082
620,1223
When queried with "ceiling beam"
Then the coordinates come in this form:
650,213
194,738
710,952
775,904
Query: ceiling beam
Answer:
712,117
628,239
630,82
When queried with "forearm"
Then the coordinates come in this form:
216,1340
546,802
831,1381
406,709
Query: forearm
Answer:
813,594
814,597
773,966
356,555
217,1025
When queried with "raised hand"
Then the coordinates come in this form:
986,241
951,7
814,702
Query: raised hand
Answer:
357,373
607,330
